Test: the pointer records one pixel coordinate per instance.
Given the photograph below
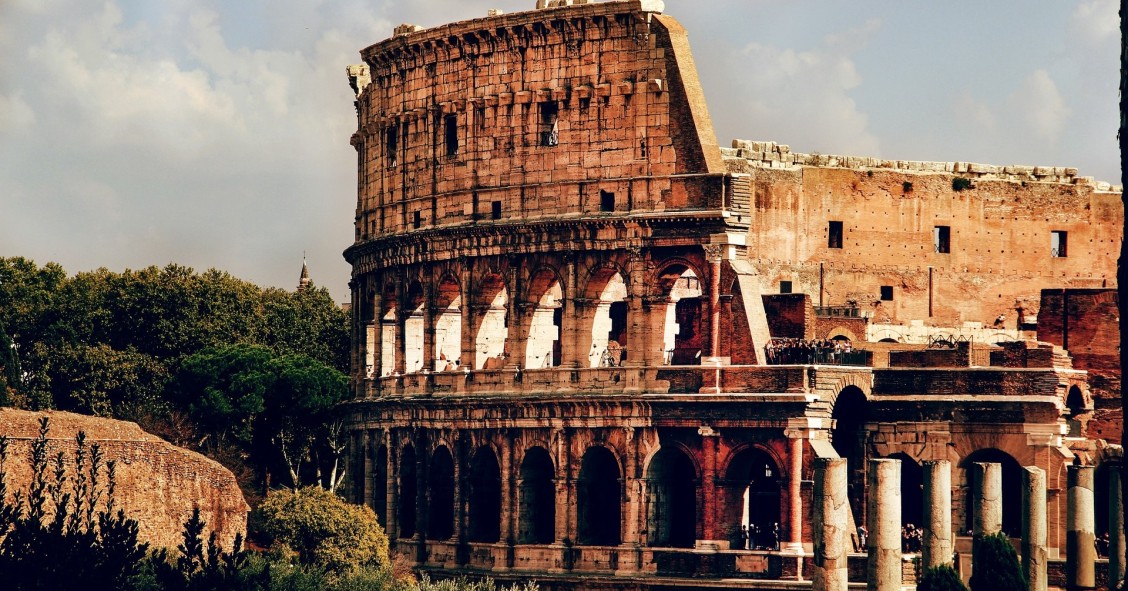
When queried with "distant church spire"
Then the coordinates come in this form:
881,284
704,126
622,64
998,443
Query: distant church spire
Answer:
304,281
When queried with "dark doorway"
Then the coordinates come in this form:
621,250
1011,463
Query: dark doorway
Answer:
851,411
408,489
440,526
537,513
380,486
599,499
672,484
754,483
485,497
912,490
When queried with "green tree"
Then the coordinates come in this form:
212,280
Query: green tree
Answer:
307,322
321,529
995,566
940,578
100,380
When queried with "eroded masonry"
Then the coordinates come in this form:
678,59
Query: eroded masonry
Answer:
589,341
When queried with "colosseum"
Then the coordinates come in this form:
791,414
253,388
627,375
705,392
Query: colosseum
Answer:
593,347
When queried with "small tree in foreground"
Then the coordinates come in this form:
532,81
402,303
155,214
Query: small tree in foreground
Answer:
940,578
995,566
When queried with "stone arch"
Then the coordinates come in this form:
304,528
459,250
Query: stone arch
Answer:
684,319
753,487
606,312
388,325
448,323
672,481
1075,407
841,332
380,484
536,489
484,510
414,301
1012,488
599,498
912,490
887,335
544,318
850,413
440,493
408,492
492,320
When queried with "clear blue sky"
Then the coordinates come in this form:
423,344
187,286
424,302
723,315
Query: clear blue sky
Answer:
215,134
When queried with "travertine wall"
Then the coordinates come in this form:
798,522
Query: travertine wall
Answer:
158,484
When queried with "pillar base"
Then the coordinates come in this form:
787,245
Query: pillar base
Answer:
792,548
710,546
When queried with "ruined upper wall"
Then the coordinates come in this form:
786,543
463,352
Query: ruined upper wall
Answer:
561,111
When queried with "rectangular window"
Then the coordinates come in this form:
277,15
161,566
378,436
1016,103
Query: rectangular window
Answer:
451,130
834,235
942,239
391,141
606,200
784,287
887,293
549,113
416,219
495,210
1059,243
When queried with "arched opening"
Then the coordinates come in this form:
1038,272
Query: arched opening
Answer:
1012,488
545,296
912,491
850,414
440,525
599,499
407,492
672,508
448,325
754,509
608,318
388,331
681,336
493,324
1075,407
537,502
888,340
380,485
413,329
485,497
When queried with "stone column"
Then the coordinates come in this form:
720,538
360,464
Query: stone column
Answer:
1034,556
709,530
1116,554
829,525
714,301
795,492
1080,552
937,544
569,319
883,520
467,355
987,498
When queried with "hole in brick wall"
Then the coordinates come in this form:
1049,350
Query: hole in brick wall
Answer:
784,287
886,293
942,239
416,219
391,141
495,210
834,235
450,123
606,201
1059,242
549,115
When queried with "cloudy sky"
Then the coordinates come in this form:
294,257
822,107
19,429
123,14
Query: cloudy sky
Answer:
215,133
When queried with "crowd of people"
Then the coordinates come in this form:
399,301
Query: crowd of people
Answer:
754,537
803,351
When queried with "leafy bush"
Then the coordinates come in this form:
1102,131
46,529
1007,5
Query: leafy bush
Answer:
960,183
322,529
995,566
463,584
941,578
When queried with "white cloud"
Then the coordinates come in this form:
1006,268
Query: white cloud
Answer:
1040,107
1094,21
15,114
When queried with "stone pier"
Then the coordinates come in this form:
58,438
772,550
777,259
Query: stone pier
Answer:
937,543
1115,522
830,523
883,517
1080,552
988,498
1034,556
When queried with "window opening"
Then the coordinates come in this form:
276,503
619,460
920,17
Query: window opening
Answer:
834,235
942,239
495,210
416,219
549,113
1058,243
887,293
390,144
784,287
451,128
606,201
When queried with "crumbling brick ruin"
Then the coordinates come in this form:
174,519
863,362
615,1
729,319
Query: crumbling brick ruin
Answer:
569,347
158,484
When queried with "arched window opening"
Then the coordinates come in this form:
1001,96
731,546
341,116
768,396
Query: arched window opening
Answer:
546,296
407,492
440,523
609,320
448,325
851,411
682,333
754,507
1012,488
380,486
672,487
493,324
485,497
413,329
388,332
1075,407
537,502
599,499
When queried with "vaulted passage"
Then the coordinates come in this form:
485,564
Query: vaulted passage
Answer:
440,525
607,316
599,499
493,324
672,507
537,501
543,330
682,333
413,329
485,497
753,485
851,411
380,485
388,330
448,325
408,489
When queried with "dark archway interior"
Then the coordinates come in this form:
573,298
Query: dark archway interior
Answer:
599,499
380,486
537,516
407,492
1012,488
912,490
485,497
672,519
850,414
754,478
440,526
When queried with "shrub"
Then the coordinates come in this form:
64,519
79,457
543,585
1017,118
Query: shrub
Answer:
941,578
995,566
960,183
